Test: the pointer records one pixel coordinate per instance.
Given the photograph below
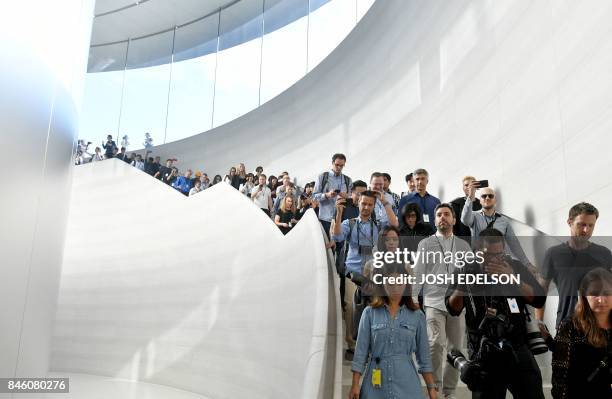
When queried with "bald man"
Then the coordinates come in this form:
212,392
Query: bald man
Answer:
487,218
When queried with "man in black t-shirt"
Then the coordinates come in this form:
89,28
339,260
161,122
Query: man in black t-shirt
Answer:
164,171
567,263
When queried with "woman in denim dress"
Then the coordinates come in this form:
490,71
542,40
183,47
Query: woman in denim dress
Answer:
391,329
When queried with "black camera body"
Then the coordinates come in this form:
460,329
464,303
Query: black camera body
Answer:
493,350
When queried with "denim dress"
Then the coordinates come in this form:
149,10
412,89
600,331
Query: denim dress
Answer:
392,341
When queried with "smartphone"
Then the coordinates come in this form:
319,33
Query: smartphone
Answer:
337,191
349,202
482,183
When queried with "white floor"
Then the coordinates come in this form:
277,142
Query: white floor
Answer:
85,386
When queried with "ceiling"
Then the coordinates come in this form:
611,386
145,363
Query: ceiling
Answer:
118,20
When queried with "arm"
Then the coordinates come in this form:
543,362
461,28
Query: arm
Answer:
390,214
337,228
454,296
467,215
423,356
278,222
362,349
515,246
270,203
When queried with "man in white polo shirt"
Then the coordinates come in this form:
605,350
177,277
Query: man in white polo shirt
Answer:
262,196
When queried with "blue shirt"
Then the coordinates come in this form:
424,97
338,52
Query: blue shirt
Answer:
392,341
381,212
427,205
327,206
182,184
364,233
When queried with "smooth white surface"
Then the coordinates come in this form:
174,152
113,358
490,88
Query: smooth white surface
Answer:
42,64
201,293
516,91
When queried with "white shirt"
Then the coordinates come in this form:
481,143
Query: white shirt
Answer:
261,198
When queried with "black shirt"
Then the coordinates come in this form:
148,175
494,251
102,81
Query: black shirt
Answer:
567,266
459,229
109,149
410,238
285,217
124,157
488,296
164,172
152,168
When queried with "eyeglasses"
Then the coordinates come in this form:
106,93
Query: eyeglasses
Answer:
484,196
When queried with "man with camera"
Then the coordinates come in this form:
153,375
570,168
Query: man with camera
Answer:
328,187
500,358
262,196
377,185
362,235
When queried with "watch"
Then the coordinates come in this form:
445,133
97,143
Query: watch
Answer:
432,386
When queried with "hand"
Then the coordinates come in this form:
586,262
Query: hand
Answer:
294,221
544,330
498,266
433,393
330,194
354,392
343,194
340,204
330,244
472,191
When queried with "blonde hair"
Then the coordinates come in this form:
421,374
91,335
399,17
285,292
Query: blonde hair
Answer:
283,206
468,178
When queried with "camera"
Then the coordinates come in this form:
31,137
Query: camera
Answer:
493,349
535,342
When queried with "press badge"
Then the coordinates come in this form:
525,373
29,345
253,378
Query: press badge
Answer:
513,305
377,375
425,218
376,378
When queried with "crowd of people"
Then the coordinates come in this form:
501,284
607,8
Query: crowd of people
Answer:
388,322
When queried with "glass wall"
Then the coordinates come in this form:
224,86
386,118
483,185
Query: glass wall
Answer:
189,79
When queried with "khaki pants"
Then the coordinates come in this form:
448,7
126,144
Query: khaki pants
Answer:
349,292
445,332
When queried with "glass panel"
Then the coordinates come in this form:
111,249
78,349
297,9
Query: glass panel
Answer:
284,46
193,79
102,100
238,68
145,94
330,22
107,58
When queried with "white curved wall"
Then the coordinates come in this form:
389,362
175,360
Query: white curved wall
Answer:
517,92
201,293
43,57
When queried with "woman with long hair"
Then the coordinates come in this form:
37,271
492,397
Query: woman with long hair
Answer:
232,178
582,360
272,184
216,179
390,331
285,218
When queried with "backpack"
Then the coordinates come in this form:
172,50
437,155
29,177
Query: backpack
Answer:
326,178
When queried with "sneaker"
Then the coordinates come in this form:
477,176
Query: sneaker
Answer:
348,355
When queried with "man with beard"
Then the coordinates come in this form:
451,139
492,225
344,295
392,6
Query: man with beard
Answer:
567,263
444,331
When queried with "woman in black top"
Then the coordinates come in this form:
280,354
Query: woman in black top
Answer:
285,218
272,184
216,179
412,229
582,360
232,178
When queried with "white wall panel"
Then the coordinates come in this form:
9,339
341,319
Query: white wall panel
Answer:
202,293
491,88
42,63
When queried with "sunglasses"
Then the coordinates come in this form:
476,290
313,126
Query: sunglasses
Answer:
484,196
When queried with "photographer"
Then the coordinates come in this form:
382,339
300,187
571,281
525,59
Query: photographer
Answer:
306,201
495,318
262,196
328,187
110,147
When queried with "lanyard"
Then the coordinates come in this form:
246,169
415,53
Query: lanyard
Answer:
452,250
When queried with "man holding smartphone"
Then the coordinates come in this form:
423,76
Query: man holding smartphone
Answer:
488,218
330,186
382,212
